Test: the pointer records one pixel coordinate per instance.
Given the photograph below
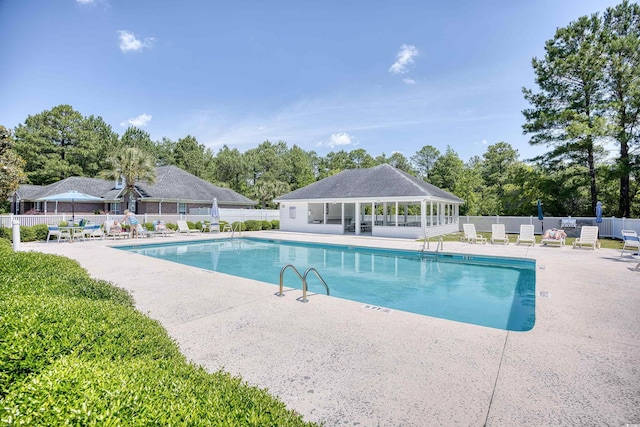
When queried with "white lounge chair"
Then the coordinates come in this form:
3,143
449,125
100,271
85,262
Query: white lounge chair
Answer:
553,237
54,231
588,237
498,234
470,234
631,241
161,229
114,232
526,235
183,227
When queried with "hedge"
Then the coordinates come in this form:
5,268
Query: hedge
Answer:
74,351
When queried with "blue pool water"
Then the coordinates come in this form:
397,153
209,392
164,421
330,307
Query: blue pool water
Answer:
488,291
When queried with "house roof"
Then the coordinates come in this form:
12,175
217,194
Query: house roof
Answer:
383,181
172,183
175,183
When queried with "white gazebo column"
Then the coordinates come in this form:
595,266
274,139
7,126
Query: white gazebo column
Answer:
324,213
396,214
431,213
423,214
342,217
373,215
357,215
384,212
406,213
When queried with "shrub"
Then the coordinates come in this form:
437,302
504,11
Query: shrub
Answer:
275,224
74,351
242,226
252,225
266,225
5,233
222,224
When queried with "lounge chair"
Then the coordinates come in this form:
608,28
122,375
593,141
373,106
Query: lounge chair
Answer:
526,235
470,234
631,241
588,237
54,231
113,231
553,237
183,227
498,234
142,232
161,229
210,227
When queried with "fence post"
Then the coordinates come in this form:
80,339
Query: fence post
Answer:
16,235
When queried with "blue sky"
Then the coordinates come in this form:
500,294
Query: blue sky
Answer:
326,75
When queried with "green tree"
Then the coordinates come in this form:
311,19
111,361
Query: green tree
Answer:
11,165
361,159
568,112
193,157
268,189
424,159
496,171
335,162
134,165
447,171
46,142
299,168
138,138
230,168
622,38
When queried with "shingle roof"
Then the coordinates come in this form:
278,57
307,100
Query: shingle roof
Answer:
175,183
172,183
380,181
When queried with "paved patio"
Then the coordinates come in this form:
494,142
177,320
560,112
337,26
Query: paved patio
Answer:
336,362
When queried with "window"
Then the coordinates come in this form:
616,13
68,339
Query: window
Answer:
182,208
292,212
114,207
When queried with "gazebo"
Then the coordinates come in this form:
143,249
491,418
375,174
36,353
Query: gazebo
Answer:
381,201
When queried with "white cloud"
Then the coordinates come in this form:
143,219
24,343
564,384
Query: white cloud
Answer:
140,121
337,139
129,42
409,81
85,1
404,57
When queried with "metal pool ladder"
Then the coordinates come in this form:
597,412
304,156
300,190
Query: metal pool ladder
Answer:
302,277
425,244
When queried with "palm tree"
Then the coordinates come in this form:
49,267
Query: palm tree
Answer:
133,165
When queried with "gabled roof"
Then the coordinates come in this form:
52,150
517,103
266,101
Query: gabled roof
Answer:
172,183
175,183
383,181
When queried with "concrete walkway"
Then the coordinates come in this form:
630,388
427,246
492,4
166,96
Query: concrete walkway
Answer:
336,362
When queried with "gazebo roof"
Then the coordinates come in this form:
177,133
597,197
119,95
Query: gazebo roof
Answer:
383,181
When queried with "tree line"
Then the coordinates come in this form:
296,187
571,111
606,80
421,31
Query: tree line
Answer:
588,101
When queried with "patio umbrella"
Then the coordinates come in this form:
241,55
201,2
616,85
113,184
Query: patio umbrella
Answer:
215,212
73,197
540,215
599,213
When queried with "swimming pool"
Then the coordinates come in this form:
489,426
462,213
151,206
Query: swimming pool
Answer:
487,291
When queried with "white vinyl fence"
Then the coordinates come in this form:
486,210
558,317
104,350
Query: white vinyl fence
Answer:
610,227
228,215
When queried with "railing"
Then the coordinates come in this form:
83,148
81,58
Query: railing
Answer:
303,278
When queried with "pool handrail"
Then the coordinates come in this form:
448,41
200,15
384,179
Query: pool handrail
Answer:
303,278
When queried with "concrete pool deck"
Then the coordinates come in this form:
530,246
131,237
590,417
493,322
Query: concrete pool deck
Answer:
334,361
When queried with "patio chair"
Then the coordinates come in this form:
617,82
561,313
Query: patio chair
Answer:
183,227
631,241
54,231
526,235
470,234
498,234
161,229
588,237
553,237
114,231
142,232
210,227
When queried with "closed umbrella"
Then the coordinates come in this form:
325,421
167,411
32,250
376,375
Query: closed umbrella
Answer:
215,212
540,215
599,213
73,197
